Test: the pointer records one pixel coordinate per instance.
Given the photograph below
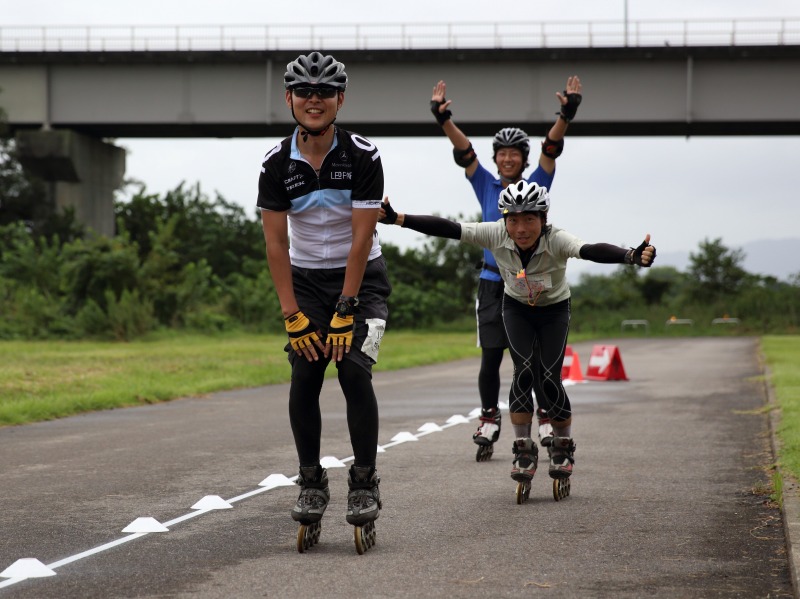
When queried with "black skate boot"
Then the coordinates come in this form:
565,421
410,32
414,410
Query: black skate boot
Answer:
487,434
310,505
363,505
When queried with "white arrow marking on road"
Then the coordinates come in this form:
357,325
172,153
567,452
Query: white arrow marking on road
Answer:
601,362
145,524
212,502
27,567
276,480
331,462
429,427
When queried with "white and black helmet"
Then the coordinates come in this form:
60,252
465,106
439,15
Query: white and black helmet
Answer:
315,70
523,197
512,137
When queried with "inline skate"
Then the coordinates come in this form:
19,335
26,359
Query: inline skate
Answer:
526,458
310,505
363,505
562,452
487,434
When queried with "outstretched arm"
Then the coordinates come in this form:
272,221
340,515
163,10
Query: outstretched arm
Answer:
605,253
428,225
553,144
463,153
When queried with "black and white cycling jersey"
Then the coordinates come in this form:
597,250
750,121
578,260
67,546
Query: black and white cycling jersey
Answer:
320,204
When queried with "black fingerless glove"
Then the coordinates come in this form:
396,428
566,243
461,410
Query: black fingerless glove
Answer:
634,256
570,109
441,117
391,215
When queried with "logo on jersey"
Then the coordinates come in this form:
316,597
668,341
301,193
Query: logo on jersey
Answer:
292,167
343,156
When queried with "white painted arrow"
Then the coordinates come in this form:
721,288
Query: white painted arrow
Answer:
403,437
212,502
276,480
429,427
475,413
27,567
331,462
145,524
601,362
458,419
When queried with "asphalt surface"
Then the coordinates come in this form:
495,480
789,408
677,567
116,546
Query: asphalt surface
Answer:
669,496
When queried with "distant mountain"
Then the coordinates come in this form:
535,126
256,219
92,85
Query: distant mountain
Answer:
779,258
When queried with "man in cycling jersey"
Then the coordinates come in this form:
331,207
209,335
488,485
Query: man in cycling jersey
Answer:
326,183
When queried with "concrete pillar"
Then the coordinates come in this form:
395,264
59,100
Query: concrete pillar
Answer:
85,172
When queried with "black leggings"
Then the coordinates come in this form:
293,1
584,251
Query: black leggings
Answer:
306,418
537,339
489,376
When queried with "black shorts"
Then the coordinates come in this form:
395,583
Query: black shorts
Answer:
318,290
489,313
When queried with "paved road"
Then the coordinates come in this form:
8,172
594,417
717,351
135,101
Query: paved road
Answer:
667,497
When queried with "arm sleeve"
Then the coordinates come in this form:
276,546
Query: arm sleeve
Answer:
433,225
604,253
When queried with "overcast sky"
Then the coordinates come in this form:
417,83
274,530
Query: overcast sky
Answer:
682,191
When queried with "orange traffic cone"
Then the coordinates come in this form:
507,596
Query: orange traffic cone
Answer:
571,368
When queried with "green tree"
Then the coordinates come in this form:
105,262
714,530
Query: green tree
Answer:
715,271
216,231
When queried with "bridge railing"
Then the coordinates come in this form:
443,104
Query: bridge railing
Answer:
113,38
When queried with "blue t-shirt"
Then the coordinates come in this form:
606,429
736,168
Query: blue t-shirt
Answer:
487,189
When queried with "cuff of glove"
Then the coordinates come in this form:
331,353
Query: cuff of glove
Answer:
629,257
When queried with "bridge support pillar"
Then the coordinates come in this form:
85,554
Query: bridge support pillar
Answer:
84,172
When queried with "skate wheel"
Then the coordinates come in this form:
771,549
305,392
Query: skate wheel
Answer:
308,536
560,488
523,492
484,453
364,537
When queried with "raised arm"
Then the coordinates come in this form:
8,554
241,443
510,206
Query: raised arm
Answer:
553,144
463,153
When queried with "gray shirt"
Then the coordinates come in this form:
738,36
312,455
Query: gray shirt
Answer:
544,281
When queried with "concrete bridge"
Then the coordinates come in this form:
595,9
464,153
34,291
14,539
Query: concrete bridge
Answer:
65,92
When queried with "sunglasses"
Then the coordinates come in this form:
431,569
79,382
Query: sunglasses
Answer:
323,93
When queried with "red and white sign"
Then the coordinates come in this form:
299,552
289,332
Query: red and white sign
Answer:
605,364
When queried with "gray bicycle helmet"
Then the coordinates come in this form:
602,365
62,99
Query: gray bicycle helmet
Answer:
512,137
523,197
315,70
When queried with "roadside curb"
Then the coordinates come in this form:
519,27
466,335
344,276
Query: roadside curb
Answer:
790,506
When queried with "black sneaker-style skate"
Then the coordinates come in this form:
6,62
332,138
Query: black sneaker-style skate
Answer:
310,505
363,505
526,459
487,434
562,459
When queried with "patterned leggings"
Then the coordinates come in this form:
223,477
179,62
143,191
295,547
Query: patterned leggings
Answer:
537,339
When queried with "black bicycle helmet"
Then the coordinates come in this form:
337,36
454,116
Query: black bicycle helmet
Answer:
315,70
523,197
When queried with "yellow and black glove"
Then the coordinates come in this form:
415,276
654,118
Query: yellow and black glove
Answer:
340,332
301,332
